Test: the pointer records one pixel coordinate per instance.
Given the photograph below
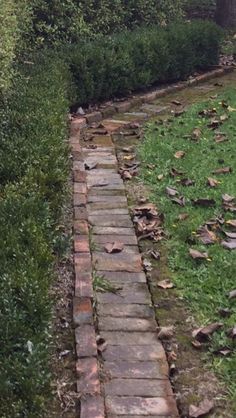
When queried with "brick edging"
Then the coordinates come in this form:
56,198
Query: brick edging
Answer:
136,99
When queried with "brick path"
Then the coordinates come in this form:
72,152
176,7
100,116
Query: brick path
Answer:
129,378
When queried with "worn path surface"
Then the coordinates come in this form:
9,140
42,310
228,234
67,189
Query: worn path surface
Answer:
121,367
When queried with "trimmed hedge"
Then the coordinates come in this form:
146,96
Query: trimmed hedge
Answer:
112,66
33,173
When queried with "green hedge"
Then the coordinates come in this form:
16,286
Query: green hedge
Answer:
116,65
33,173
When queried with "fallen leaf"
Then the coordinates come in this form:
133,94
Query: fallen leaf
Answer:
197,255
179,113
231,235
160,177
224,104
223,170
227,198
214,123
208,112
187,182
175,173
126,175
196,344
171,191
232,333
224,351
206,236
166,284
179,154
232,294
147,265
220,137
212,182
115,247
165,333
231,109
218,84
202,409
172,356
179,201
232,223
196,134
183,216
176,102
203,334
128,157
156,255
204,202
90,166
224,117
225,312
230,244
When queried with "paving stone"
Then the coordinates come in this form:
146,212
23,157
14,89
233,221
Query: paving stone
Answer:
126,324
125,310
122,107
75,146
99,212
81,227
82,311
80,188
103,191
130,338
113,231
77,124
140,406
111,220
83,262
138,387
78,165
80,213
123,277
152,352
106,205
87,371
112,200
126,239
117,262
104,180
93,117
101,172
80,199
85,341
92,407
83,284
141,416
154,109
136,293
108,111
81,244
136,369
94,149
128,249
79,176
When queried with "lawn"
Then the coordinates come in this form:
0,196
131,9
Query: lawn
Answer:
181,154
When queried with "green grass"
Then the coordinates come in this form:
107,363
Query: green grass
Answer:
204,284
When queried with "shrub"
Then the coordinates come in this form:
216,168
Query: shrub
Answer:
33,166
132,60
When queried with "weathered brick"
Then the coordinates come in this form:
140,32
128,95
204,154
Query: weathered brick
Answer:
111,200
76,125
81,244
136,293
80,213
99,212
80,176
83,262
108,111
138,387
107,230
93,117
137,369
81,227
117,277
125,310
126,324
82,311
87,371
152,352
117,262
80,199
140,406
92,407
111,221
100,240
85,341
123,106
83,284
130,338
80,188
75,146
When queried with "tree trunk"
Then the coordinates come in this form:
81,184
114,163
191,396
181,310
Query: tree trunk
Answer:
226,13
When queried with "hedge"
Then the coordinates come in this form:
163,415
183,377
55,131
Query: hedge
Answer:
33,173
116,65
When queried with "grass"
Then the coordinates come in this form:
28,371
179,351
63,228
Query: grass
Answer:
205,284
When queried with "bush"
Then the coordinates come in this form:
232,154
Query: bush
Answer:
115,65
34,168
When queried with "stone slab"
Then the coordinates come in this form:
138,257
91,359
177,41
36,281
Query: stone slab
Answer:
108,230
111,221
126,324
123,277
103,212
130,338
107,199
87,372
85,341
125,310
136,293
153,352
92,407
124,369
126,239
141,406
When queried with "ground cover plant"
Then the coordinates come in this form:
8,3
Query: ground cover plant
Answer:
189,163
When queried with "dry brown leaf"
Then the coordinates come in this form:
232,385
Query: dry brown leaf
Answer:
220,137
176,102
201,410
171,191
175,173
232,294
232,223
187,182
166,284
179,154
204,202
230,244
197,255
223,170
196,134
183,216
115,247
212,182
224,351
204,333
225,312
90,166
165,333
156,255
129,157
224,117
206,236
179,201
227,198
196,344
231,235
160,177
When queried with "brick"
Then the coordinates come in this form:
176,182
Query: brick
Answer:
78,165
117,277
138,387
80,176
130,338
108,111
126,239
80,199
76,125
149,97
81,244
112,200
107,205
136,293
82,311
126,324
141,406
92,407
75,146
80,213
127,250
80,188
111,220
153,352
117,262
103,191
125,310
123,107
83,285
81,227
102,182
137,369
85,341
113,231
93,117
87,371
83,263
99,212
